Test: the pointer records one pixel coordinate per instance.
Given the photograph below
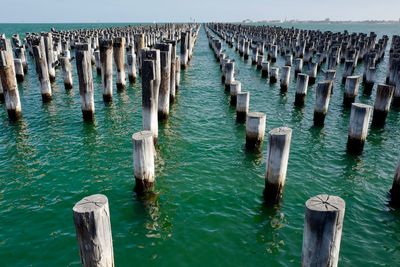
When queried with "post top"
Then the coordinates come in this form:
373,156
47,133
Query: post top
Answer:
142,135
280,131
90,203
360,105
256,115
325,203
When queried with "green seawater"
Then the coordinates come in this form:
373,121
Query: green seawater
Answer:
209,209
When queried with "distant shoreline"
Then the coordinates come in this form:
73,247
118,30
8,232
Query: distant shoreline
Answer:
323,21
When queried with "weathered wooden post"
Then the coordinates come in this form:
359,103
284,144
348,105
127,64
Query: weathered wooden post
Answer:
229,71
119,58
43,73
255,129
358,130
395,191
143,161
106,58
177,73
348,69
254,55
273,75
288,60
49,57
330,75
383,100
184,50
370,78
9,84
312,72
93,231
173,72
301,89
131,62
235,89
264,69
242,106
285,78
260,60
19,70
323,95
97,61
298,66
164,91
323,224
84,69
279,140
274,53
66,67
350,90
151,78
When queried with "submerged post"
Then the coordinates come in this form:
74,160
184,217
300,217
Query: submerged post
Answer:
323,224
358,130
279,140
143,161
93,231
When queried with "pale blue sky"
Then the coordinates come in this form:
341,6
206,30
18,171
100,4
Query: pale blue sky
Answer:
200,10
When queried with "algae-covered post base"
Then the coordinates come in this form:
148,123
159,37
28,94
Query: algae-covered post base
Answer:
143,161
279,140
358,130
93,231
323,224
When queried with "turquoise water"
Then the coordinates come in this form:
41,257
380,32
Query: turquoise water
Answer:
209,209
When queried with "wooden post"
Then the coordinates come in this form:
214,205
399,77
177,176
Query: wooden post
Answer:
106,55
285,78
350,90
383,99
48,46
119,58
370,77
348,69
9,84
84,69
323,95
322,234
93,231
97,61
19,70
274,53
358,130
330,75
229,74
164,91
242,106
395,191
312,72
151,78
43,73
288,60
298,66
177,73
255,129
301,89
274,74
235,89
260,60
279,140
173,72
143,161
254,55
264,69
66,67
184,50
131,62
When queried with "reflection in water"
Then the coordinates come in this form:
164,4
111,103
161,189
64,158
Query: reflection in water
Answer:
270,221
297,114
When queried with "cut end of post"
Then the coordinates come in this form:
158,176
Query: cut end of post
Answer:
325,203
90,203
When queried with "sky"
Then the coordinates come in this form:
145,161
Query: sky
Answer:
25,11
